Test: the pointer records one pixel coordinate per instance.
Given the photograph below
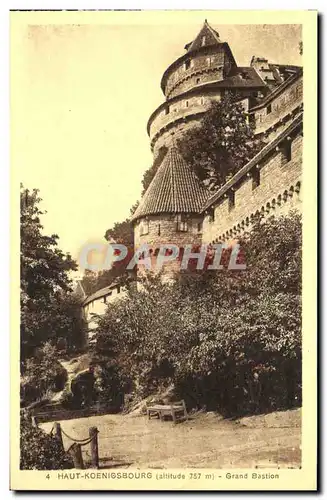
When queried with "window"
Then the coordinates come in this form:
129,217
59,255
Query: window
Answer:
187,64
199,227
255,178
198,80
167,110
186,104
209,61
268,109
231,200
181,223
202,100
144,227
158,229
288,151
203,41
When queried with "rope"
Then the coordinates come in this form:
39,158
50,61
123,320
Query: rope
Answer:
84,444
80,441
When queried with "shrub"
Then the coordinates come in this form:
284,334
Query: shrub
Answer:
227,340
109,387
42,374
39,451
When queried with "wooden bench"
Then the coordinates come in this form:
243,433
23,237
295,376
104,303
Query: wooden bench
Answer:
175,410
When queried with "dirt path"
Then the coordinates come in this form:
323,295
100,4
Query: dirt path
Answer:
205,441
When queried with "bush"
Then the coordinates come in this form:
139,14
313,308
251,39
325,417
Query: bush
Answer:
42,375
39,451
109,387
227,340
69,401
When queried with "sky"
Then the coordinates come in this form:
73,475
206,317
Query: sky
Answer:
80,100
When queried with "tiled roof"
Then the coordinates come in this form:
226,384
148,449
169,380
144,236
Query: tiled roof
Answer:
279,89
242,77
103,292
174,189
211,38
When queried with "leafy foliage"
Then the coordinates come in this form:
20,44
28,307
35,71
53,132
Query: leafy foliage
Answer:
121,232
227,340
151,172
222,142
44,278
39,451
42,375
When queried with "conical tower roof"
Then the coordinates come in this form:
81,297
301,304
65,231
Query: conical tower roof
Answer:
207,36
174,189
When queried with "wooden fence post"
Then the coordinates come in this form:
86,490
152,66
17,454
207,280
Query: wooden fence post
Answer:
76,453
93,432
57,433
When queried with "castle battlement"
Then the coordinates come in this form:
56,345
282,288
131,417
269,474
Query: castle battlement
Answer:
176,207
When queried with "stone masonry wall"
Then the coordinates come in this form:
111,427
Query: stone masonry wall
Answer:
278,193
168,235
183,115
269,119
168,231
199,69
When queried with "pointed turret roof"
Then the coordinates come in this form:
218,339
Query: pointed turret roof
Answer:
207,36
174,189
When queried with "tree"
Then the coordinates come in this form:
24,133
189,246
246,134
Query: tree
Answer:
89,282
151,172
222,142
227,340
121,232
44,277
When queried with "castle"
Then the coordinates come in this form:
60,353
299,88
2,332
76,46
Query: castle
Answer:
176,207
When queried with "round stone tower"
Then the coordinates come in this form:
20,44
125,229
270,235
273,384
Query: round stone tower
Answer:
170,211
202,74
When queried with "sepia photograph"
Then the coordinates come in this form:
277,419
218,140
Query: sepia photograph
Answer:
159,161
